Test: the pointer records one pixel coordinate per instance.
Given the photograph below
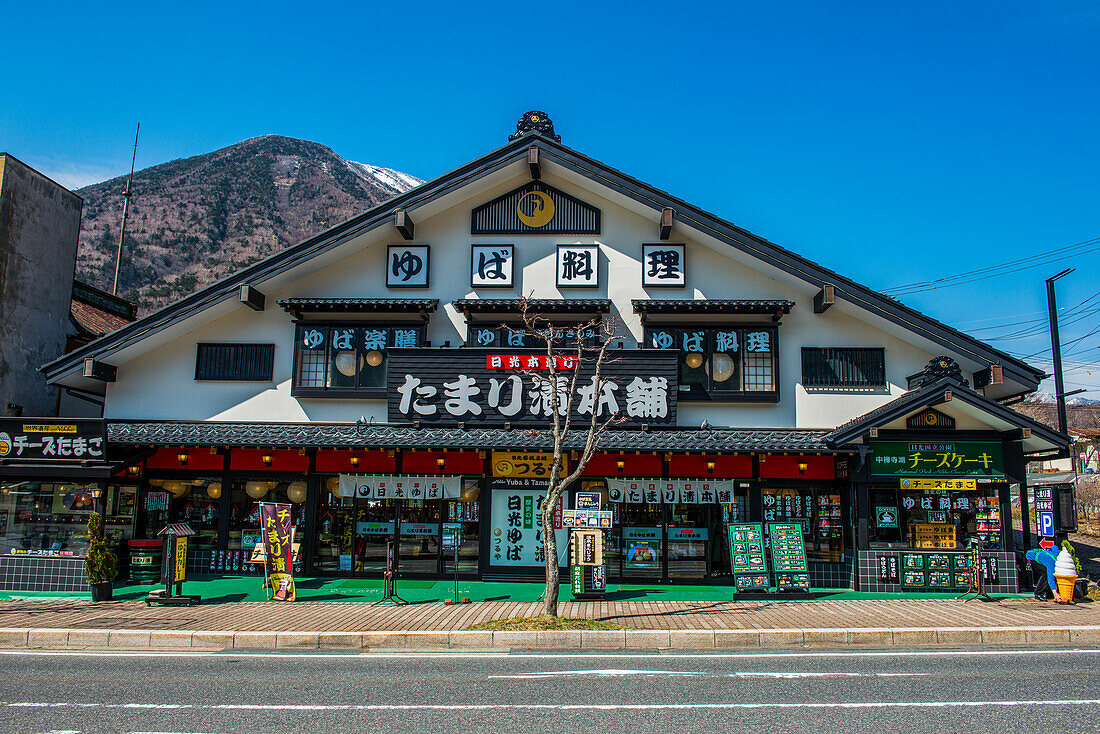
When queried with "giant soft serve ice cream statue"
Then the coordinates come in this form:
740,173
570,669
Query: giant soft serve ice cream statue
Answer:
1065,574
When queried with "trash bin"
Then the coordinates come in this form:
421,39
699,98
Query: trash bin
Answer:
145,558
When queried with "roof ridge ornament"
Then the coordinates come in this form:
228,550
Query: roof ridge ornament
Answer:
535,121
942,367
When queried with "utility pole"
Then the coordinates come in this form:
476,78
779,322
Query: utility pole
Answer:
125,212
1056,349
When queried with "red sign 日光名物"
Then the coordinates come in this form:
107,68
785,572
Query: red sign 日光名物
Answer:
528,362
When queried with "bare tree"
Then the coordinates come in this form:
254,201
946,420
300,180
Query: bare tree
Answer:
570,349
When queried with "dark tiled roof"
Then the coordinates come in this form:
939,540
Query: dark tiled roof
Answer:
319,435
359,305
661,305
928,395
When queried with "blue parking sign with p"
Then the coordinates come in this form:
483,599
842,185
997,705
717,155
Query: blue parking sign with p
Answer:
1046,524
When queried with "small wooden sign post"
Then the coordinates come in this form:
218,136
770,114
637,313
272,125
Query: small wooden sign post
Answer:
390,575
173,568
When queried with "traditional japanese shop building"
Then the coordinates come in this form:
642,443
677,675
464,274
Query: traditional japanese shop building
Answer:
377,377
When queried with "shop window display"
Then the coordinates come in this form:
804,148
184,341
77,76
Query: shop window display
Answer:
244,509
194,501
820,513
38,518
937,519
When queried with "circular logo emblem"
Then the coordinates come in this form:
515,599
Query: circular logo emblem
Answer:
5,444
535,209
931,419
504,468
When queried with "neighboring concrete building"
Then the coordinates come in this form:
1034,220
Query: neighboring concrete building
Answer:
39,228
92,313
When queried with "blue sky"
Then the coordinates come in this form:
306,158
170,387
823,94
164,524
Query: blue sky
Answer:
893,142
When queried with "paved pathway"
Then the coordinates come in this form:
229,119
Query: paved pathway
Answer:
363,616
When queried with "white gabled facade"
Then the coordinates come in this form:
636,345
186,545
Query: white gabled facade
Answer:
156,378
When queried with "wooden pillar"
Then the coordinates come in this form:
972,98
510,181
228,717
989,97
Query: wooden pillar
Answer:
313,498
225,506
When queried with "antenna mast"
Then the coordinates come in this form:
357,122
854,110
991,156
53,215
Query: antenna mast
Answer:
125,212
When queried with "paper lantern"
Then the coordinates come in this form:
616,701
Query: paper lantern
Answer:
296,492
214,491
332,484
694,360
345,363
721,367
256,490
178,489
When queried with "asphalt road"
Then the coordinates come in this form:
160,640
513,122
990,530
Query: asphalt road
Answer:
992,690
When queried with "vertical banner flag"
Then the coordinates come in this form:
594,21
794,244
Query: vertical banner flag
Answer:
278,549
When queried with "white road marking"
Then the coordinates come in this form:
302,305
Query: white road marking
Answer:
614,672
552,706
551,655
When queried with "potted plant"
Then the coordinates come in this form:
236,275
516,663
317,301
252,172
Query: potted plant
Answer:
99,564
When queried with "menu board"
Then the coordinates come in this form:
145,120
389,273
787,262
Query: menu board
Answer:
933,535
788,550
935,571
788,555
752,582
747,549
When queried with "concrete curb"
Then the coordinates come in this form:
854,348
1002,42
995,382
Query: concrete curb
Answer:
487,641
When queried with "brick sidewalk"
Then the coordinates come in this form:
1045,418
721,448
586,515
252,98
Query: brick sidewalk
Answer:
730,615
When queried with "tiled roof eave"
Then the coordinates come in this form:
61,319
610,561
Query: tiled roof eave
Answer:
351,435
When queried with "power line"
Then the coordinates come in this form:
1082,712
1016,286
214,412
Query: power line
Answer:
993,271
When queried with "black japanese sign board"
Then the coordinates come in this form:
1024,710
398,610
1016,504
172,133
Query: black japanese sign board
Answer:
498,385
889,569
52,440
1044,499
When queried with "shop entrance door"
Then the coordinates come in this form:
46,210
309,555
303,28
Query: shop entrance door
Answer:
641,542
419,537
374,526
689,537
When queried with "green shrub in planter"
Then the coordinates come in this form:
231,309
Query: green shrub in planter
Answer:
100,563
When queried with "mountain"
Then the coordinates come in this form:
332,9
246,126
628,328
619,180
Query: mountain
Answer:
195,220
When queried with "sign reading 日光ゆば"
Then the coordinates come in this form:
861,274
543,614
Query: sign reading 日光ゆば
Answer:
937,458
516,527
467,386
